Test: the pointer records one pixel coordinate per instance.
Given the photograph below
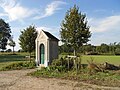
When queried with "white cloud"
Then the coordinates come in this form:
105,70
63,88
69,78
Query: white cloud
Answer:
105,24
50,9
105,30
2,14
14,10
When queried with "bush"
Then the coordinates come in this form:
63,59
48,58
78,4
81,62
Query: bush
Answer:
19,65
63,62
51,71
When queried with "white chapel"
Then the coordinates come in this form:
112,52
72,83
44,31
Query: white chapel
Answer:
46,48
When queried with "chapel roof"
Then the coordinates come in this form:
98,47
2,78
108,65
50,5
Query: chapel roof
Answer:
49,35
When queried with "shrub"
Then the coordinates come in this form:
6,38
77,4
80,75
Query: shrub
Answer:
19,65
63,62
51,71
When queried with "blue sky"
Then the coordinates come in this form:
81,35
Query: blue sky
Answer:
103,17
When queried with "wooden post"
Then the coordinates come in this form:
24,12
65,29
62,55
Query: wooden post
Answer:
74,62
68,63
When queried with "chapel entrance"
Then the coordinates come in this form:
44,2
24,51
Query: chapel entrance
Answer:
42,53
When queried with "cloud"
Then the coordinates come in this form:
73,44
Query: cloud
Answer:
105,30
14,11
50,9
2,14
105,24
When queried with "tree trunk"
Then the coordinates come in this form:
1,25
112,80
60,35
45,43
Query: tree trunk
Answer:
68,64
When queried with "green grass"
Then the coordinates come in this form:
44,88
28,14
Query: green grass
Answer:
19,65
107,78
7,58
101,59
113,59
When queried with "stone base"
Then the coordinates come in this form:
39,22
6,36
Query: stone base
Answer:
40,66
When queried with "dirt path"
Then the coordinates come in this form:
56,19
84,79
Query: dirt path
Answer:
18,80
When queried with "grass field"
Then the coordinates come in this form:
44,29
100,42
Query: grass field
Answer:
113,59
101,59
8,58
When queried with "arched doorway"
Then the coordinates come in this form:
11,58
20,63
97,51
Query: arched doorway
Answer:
42,53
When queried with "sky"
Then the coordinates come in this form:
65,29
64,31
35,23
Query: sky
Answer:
103,17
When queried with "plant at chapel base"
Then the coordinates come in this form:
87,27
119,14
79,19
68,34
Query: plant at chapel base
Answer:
27,39
74,29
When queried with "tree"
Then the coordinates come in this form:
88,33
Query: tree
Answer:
65,49
12,44
112,47
4,34
27,39
74,29
104,48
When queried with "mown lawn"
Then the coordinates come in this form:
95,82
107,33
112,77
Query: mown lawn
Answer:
113,59
101,59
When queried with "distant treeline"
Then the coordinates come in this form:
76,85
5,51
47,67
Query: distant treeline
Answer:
88,49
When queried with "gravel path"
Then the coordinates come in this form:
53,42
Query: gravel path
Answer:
18,80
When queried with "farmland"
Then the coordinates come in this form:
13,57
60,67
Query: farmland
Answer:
7,58
101,59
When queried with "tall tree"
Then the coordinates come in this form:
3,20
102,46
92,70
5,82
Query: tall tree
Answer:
74,28
4,34
27,39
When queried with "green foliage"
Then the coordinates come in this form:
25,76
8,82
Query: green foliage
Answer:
65,48
4,34
12,44
52,71
19,65
88,49
59,69
63,62
74,28
108,78
27,39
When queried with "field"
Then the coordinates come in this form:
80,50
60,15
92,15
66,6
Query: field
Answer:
113,59
101,59
108,78
8,58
